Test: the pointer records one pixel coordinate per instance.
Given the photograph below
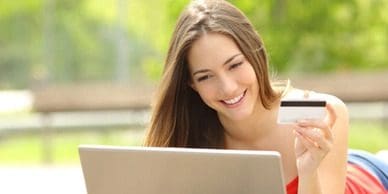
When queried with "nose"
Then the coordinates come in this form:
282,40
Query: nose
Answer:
227,85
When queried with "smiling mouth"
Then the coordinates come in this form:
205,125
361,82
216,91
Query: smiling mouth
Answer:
235,100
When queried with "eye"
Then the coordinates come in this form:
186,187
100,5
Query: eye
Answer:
235,65
203,78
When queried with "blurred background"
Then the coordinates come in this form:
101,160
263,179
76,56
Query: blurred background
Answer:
84,71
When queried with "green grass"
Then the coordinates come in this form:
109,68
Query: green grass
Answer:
29,149
370,136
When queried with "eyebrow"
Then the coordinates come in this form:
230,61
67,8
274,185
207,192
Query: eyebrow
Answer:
226,62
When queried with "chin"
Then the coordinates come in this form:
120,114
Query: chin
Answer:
238,116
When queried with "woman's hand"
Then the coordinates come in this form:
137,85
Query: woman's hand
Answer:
313,141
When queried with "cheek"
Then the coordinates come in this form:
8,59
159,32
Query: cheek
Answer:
248,76
207,93
252,78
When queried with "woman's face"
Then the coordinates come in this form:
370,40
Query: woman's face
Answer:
223,77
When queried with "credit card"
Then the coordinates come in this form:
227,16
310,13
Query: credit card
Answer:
291,111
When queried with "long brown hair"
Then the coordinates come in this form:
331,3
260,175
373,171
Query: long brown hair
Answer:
180,118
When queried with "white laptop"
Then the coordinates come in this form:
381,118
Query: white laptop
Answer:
145,170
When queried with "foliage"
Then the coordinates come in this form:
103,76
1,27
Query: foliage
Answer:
78,40
323,35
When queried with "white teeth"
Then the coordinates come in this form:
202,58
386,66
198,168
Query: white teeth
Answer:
234,100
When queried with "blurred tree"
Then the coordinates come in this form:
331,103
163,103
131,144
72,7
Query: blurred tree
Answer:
74,40
19,40
321,36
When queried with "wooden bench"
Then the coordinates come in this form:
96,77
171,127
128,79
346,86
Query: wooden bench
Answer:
350,87
127,107
91,97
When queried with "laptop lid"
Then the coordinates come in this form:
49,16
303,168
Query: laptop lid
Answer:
150,170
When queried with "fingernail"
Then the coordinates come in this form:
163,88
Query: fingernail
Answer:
298,130
301,121
297,133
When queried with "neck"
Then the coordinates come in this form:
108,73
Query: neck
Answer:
252,131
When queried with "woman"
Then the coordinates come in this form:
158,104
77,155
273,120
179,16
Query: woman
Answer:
216,93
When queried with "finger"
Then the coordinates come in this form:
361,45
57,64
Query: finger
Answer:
317,150
310,135
313,123
299,147
306,143
332,116
316,136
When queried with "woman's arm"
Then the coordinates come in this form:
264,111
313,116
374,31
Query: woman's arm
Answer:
321,150
332,171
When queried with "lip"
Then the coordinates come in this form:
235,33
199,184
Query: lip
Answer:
236,103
